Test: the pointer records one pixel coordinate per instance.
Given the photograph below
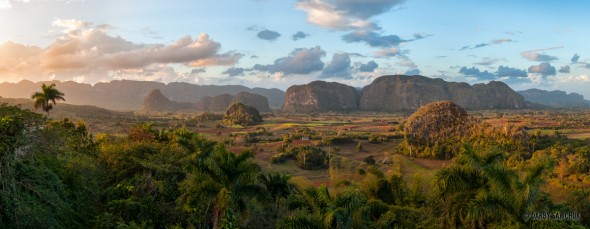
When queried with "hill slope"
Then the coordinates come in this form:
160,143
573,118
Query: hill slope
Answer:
129,95
556,99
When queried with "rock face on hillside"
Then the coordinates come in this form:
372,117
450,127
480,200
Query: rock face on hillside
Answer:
220,102
156,101
320,96
223,101
129,95
556,99
408,93
250,99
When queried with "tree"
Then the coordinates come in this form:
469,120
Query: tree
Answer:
46,97
479,190
240,114
223,181
315,206
278,186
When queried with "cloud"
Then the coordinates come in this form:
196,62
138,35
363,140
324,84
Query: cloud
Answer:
368,67
6,4
299,35
475,72
500,41
510,72
579,78
149,33
268,35
198,70
299,61
575,58
233,71
492,42
374,39
390,52
488,61
339,67
544,69
345,14
564,69
413,72
504,73
84,49
406,62
535,55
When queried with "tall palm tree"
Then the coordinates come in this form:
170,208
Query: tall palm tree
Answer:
226,180
46,97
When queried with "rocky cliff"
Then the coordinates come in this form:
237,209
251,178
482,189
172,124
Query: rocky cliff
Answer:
408,93
320,96
223,101
254,100
156,101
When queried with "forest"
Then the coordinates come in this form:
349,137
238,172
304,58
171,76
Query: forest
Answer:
56,174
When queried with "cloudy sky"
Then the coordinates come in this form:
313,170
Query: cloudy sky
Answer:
277,43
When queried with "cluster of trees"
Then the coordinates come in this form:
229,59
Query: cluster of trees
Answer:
54,174
240,114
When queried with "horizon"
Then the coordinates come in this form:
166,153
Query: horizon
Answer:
284,90
276,44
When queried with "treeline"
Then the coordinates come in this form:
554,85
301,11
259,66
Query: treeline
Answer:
54,174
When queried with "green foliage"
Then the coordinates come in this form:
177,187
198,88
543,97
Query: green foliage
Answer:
309,157
46,97
240,114
479,189
49,175
315,205
221,184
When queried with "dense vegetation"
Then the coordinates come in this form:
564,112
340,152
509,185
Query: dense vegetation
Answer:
55,174
240,114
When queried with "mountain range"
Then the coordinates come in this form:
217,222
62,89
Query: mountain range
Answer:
129,95
399,93
389,93
555,99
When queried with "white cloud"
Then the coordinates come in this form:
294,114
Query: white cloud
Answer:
345,14
84,49
7,4
574,78
537,55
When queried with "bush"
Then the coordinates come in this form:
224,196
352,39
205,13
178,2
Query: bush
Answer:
311,158
369,160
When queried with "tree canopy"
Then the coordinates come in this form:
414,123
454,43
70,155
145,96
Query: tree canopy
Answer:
47,97
240,114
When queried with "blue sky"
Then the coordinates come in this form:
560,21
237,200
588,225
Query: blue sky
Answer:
278,43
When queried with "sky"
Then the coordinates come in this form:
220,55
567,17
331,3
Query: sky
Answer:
279,43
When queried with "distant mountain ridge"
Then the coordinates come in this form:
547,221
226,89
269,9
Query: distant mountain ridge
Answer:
555,99
129,95
399,93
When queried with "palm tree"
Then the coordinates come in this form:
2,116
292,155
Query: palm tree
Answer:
46,97
477,189
225,180
315,206
278,186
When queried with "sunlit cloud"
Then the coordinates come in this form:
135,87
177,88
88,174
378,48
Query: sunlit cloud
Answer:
83,49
